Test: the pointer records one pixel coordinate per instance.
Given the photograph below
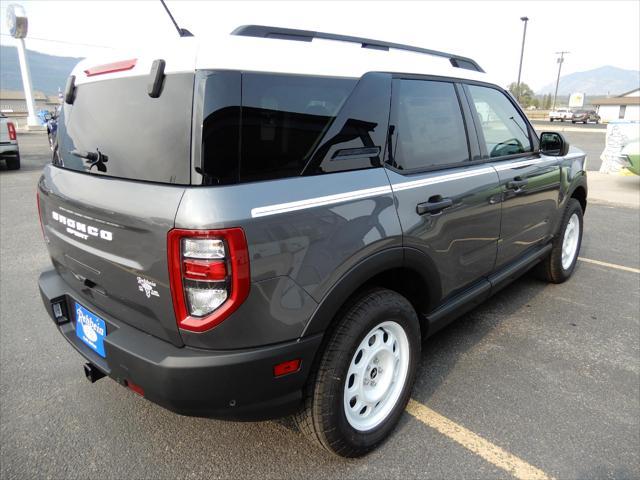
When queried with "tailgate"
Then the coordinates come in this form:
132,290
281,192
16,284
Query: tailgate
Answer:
109,199
108,239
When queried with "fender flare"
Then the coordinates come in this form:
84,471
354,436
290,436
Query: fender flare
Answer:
359,274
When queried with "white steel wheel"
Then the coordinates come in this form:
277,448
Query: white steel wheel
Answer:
570,241
376,376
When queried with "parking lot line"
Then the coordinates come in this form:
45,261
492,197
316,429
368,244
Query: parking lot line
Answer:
609,265
478,445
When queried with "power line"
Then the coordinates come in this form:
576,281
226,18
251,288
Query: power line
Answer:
60,41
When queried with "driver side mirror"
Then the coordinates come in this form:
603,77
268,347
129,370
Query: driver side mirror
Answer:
553,144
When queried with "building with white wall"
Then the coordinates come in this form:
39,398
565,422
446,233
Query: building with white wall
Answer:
622,107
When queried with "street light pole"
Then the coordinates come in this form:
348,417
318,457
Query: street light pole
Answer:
524,36
560,60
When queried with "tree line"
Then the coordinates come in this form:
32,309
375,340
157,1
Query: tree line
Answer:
527,98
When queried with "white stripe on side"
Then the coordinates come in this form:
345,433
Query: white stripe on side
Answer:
318,201
441,178
372,192
524,163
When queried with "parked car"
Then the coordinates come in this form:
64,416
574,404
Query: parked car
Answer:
561,114
630,155
52,126
286,228
585,116
9,150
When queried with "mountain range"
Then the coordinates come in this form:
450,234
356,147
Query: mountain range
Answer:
603,81
48,72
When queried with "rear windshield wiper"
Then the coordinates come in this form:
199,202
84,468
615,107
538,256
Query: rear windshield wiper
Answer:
96,159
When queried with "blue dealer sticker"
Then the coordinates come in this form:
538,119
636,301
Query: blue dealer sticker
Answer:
91,329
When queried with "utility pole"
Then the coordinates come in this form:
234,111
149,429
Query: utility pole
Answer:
560,60
524,36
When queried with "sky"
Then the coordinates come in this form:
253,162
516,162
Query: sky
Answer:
597,33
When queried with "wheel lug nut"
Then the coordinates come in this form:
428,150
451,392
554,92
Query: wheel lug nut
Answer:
375,360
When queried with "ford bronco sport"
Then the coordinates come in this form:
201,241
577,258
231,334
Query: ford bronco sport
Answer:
271,226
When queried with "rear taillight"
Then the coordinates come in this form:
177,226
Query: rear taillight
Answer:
11,128
209,275
40,216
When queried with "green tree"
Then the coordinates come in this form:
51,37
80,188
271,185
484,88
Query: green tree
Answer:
525,96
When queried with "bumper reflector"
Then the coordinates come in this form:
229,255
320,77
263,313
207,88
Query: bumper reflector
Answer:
284,368
134,388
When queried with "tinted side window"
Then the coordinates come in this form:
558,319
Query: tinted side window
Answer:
427,124
505,131
220,143
283,119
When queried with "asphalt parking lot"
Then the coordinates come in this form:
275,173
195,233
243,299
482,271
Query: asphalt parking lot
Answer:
549,374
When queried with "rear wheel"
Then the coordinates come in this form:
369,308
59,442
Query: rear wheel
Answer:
560,264
364,378
13,163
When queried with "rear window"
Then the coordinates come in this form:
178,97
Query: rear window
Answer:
143,138
259,126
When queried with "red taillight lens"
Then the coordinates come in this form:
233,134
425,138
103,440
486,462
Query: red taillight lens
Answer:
40,216
209,275
205,270
111,67
11,128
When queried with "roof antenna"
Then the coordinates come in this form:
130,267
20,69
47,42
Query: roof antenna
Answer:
183,32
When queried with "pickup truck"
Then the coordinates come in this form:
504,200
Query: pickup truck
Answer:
9,144
561,114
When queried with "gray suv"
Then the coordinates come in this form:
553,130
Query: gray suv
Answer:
263,230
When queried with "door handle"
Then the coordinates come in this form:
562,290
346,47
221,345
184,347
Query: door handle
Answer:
433,206
517,183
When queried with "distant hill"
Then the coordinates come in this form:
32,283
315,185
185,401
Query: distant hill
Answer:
48,72
606,80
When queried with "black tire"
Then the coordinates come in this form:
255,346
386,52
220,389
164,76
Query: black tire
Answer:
572,121
323,419
585,122
551,119
562,120
13,163
551,268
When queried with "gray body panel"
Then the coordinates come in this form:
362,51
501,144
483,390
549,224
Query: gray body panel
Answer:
527,212
104,272
303,234
461,240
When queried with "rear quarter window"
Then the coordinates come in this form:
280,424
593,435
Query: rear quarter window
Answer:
259,126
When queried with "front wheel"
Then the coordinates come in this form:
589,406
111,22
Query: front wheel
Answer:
559,265
364,378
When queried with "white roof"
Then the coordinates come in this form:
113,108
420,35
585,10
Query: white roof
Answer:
319,57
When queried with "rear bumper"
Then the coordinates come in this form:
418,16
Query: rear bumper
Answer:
8,148
233,384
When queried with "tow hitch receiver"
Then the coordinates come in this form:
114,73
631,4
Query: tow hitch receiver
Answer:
92,373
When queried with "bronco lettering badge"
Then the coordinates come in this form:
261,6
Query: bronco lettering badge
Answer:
81,230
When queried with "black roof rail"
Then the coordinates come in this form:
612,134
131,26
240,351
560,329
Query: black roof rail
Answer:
262,31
